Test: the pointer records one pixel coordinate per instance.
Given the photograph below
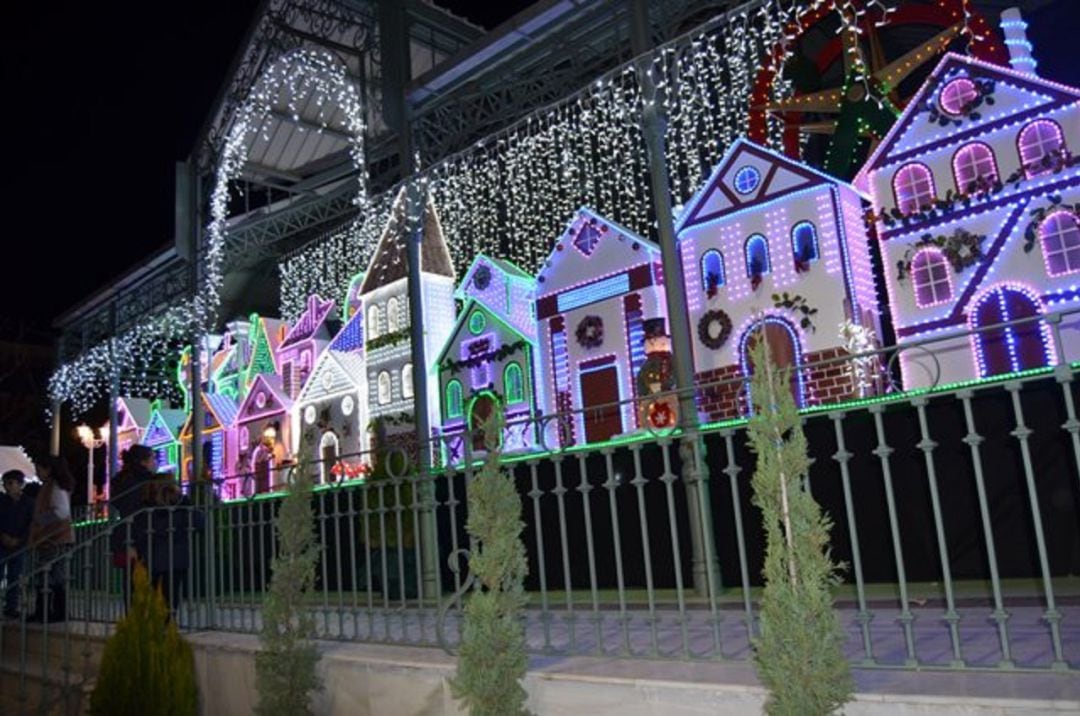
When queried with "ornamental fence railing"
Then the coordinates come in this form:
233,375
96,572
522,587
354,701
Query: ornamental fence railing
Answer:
954,510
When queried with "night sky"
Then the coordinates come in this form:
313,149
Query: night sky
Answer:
103,98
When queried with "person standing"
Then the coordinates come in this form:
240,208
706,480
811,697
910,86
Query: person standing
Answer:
16,513
51,536
138,468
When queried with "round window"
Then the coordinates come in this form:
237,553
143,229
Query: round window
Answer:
328,380
347,405
309,415
260,399
956,96
747,179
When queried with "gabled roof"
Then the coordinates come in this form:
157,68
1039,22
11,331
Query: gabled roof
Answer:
508,268
273,397
390,263
1036,94
493,319
224,408
164,426
135,412
345,371
351,335
777,176
592,247
312,322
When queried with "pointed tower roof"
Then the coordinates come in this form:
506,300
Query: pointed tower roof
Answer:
390,263
312,323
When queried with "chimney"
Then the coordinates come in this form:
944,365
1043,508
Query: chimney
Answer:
1015,29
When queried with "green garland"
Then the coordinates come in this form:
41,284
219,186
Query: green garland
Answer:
501,353
388,339
799,305
1031,233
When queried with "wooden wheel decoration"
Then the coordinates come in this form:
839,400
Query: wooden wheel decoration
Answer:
851,118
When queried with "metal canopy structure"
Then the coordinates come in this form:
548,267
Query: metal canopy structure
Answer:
459,84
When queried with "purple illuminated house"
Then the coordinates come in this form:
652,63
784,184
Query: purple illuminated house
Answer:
975,193
304,344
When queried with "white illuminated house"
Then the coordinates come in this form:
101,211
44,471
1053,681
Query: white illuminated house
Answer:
384,299
975,192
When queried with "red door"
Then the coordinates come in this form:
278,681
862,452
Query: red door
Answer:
600,398
1008,348
782,350
482,409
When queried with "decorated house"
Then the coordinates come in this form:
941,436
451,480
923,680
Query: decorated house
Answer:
263,436
304,343
487,364
772,247
163,436
218,439
330,413
594,292
265,337
132,419
384,297
975,195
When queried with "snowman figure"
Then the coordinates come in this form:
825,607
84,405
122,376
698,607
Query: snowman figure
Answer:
656,377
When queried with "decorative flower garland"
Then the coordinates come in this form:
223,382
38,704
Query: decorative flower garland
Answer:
709,338
1031,233
962,250
590,332
388,339
799,305
984,95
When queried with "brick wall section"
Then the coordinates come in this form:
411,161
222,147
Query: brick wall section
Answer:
830,383
716,400
726,400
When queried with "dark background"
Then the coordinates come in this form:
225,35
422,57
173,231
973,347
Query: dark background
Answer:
102,99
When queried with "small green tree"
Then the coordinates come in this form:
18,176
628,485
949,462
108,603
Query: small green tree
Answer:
147,668
285,673
799,654
492,660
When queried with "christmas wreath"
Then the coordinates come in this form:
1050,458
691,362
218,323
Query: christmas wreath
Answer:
482,277
590,332
714,328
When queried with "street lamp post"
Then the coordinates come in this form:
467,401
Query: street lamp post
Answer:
90,442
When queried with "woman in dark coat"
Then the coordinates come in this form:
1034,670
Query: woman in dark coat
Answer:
137,470
164,538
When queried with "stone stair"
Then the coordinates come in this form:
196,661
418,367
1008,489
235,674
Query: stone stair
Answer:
48,671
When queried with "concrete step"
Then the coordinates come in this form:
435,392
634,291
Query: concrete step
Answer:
26,691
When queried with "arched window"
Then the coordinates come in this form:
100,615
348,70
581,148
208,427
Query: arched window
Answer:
329,448
712,271
1038,143
930,274
406,381
757,256
804,243
384,388
957,96
373,322
392,315
1060,237
454,408
974,168
913,185
514,384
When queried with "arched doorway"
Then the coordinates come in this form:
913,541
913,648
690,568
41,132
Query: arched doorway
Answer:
1006,349
328,455
482,407
784,350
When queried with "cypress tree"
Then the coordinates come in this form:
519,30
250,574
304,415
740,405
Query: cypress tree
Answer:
799,653
492,659
285,673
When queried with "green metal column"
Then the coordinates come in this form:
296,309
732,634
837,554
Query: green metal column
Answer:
396,64
705,567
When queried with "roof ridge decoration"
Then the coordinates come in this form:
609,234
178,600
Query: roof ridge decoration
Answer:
951,61
311,322
274,401
389,262
784,176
